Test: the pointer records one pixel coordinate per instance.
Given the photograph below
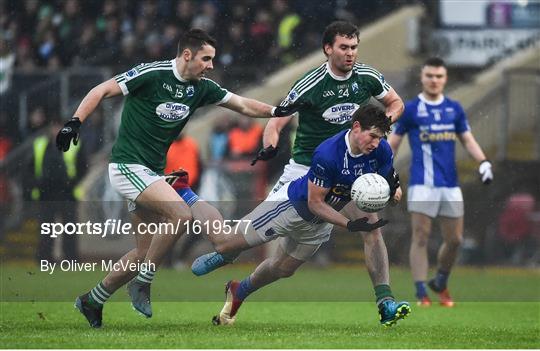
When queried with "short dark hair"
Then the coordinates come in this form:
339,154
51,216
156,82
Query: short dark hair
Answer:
434,62
344,28
370,116
193,40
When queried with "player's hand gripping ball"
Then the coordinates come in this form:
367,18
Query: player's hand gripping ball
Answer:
370,192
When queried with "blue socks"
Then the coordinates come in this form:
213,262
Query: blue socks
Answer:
188,196
245,288
441,279
420,289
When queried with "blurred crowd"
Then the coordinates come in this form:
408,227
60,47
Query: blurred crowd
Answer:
122,33
40,37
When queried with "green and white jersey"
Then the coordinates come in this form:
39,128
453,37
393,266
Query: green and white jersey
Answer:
158,105
333,101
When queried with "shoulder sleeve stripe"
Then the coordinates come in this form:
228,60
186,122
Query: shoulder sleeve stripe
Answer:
313,83
384,85
370,70
122,80
302,82
122,77
309,84
210,80
161,65
366,67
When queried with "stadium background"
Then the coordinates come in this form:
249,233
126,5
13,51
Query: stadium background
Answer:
53,52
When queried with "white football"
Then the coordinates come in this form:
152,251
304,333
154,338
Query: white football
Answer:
370,192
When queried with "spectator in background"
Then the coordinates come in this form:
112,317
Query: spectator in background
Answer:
6,143
7,61
37,119
184,14
184,153
54,185
88,44
219,139
261,35
206,18
515,227
245,138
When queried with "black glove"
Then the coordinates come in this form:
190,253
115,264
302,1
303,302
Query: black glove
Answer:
284,111
68,133
393,182
361,225
265,154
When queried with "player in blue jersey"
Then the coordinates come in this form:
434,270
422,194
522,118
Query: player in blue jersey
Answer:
433,123
302,213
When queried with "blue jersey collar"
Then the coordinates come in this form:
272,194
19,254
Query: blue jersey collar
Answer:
430,102
349,146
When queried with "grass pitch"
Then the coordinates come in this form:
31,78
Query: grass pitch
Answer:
314,309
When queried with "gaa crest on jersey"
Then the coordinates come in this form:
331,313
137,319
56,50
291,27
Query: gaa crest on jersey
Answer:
340,113
132,73
293,95
190,90
354,87
172,111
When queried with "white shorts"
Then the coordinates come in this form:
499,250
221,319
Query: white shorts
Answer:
435,201
276,217
130,180
291,172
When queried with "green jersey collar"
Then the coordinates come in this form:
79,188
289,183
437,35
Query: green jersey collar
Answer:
335,76
175,71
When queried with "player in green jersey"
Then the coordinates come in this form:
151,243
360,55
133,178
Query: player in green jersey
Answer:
160,98
330,94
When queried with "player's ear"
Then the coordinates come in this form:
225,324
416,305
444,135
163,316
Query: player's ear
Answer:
327,48
187,54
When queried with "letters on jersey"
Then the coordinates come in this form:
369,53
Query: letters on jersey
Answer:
336,168
333,100
433,128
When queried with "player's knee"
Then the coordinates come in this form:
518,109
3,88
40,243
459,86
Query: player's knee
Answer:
421,242
372,237
179,215
455,242
420,238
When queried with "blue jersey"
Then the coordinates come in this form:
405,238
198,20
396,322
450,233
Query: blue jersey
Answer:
433,127
334,166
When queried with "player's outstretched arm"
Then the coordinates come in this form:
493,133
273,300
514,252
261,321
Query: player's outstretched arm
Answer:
473,148
70,131
273,129
256,109
271,138
394,140
89,103
393,104
249,107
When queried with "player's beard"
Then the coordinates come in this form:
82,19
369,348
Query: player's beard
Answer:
344,67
